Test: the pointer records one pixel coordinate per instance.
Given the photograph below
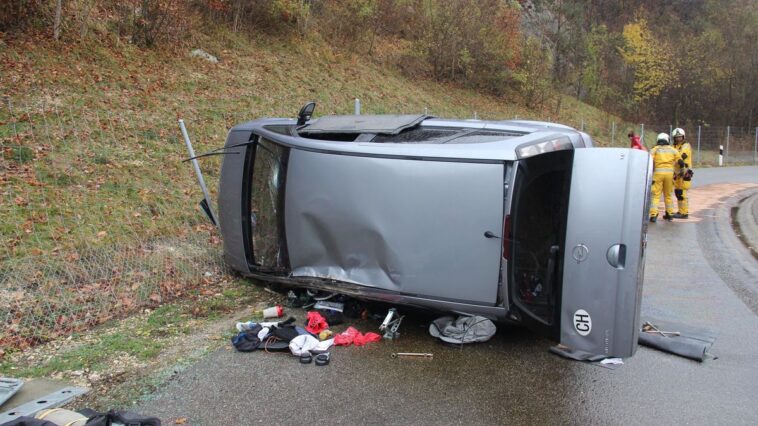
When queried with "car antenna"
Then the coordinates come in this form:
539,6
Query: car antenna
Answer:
305,113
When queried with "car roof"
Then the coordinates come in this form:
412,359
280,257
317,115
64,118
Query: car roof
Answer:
419,136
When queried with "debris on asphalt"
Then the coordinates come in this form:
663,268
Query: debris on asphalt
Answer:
306,344
353,336
681,339
612,361
391,324
575,354
464,329
648,327
592,359
412,355
272,312
270,336
323,359
34,406
8,387
316,338
316,323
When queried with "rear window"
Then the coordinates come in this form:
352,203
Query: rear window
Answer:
267,205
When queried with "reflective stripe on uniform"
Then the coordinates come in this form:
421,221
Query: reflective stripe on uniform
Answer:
667,151
663,170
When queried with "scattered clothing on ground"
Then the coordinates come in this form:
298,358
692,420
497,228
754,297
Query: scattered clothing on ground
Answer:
353,336
464,329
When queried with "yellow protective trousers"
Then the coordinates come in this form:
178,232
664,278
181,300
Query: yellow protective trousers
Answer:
680,185
662,181
680,190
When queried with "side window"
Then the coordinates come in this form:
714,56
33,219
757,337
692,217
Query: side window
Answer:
267,206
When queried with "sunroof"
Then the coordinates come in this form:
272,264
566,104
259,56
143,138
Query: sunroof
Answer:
357,124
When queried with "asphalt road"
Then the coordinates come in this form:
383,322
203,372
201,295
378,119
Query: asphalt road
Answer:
696,272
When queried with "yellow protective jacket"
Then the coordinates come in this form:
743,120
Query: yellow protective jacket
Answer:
685,151
665,158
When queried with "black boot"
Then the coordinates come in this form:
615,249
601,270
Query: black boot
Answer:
653,219
680,216
668,217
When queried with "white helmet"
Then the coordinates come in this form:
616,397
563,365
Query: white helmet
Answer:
677,132
663,139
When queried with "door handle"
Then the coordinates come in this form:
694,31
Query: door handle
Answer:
616,256
490,234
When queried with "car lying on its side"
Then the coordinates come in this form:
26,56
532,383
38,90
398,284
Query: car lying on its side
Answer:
517,221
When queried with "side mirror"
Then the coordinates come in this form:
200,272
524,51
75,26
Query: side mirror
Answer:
306,112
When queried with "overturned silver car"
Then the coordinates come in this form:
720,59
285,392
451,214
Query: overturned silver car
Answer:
513,220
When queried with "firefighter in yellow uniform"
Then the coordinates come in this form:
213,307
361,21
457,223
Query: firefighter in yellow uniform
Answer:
665,157
682,174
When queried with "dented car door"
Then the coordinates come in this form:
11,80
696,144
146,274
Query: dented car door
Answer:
415,227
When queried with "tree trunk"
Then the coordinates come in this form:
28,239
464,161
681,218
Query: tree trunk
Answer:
57,21
237,13
85,19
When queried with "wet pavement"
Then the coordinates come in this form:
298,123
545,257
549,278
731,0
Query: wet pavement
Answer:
695,273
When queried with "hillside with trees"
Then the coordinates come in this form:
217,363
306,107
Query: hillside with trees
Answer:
680,62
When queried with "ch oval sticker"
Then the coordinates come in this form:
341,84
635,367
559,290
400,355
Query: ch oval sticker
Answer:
582,322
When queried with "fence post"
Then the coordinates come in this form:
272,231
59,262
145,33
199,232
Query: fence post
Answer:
10,113
357,106
671,130
698,145
642,134
755,147
726,155
613,133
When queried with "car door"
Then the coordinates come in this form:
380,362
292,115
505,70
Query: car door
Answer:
585,290
604,259
417,227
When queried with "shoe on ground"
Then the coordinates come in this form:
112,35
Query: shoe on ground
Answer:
668,217
653,219
681,216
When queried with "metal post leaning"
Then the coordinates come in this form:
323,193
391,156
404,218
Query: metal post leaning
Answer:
199,174
613,133
357,106
755,147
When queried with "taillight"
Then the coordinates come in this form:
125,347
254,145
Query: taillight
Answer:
507,237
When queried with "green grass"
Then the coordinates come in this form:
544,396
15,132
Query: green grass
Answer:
92,356
141,339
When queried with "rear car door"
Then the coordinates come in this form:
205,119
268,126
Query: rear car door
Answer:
603,264
578,241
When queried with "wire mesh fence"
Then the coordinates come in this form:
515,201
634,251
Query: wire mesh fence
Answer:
711,145
99,218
